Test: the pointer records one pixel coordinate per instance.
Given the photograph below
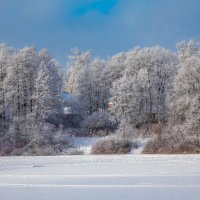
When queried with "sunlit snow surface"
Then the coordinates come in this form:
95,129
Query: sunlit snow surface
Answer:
126,177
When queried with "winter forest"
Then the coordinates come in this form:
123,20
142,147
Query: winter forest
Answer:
149,93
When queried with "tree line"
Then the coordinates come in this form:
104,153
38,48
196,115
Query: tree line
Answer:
146,87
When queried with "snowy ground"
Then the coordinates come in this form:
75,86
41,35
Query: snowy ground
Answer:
88,177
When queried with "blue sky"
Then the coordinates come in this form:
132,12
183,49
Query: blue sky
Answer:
104,26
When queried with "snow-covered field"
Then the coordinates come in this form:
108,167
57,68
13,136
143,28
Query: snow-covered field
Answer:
88,177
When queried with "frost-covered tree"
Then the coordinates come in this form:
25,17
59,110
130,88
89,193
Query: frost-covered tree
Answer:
47,100
92,87
5,57
20,82
100,85
76,63
186,99
140,94
114,68
86,81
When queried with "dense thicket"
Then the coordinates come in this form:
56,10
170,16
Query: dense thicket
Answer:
30,85
150,90
137,84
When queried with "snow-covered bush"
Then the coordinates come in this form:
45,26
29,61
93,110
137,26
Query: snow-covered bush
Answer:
98,121
26,136
173,143
112,146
